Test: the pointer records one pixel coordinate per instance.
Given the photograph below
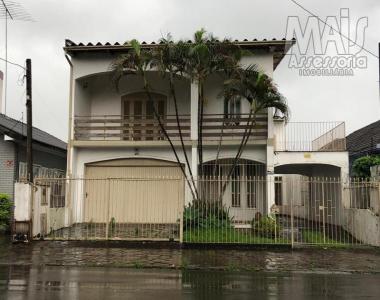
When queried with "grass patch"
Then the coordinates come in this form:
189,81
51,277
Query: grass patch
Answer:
228,235
137,265
317,238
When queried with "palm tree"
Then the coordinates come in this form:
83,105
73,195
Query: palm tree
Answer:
262,94
198,60
137,61
206,56
170,60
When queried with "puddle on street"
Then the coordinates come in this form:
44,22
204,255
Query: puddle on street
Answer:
24,282
68,270
92,254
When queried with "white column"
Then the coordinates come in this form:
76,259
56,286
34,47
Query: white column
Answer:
345,180
279,135
270,162
194,128
194,111
194,161
270,143
270,193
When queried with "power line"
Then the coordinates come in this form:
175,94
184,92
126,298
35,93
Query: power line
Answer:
12,63
337,31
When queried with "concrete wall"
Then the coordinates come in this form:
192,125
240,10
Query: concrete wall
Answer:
22,202
85,155
364,225
8,166
375,199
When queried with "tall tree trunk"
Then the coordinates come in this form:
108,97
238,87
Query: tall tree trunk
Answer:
247,133
174,95
200,130
199,146
219,148
157,116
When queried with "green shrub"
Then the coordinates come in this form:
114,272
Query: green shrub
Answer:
362,166
200,214
266,227
5,211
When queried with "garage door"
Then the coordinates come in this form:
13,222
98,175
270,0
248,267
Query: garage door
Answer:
141,191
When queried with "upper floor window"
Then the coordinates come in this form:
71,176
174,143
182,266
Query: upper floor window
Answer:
232,108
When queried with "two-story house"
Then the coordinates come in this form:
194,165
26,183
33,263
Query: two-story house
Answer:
112,134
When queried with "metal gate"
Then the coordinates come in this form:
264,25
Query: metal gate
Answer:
110,209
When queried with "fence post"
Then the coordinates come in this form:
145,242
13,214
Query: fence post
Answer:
68,201
108,206
323,210
292,214
181,210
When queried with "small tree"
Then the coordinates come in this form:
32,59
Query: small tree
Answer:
5,212
362,166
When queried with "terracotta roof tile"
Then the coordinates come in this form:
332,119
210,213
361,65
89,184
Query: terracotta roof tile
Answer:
70,43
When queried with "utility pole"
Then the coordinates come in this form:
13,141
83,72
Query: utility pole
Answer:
29,126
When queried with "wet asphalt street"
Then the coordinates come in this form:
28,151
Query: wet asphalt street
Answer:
70,270
120,283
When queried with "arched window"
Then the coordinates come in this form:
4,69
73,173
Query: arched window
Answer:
232,110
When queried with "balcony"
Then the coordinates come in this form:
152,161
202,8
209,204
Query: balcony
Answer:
309,136
145,128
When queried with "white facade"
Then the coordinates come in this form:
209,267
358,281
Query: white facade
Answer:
93,94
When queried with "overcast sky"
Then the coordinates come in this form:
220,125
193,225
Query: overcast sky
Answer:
354,99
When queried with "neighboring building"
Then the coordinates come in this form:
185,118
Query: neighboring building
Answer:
112,135
49,154
364,141
1,89
375,172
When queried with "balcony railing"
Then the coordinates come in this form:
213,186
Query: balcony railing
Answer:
310,136
144,128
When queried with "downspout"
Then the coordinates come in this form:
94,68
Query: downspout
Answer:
69,142
69,152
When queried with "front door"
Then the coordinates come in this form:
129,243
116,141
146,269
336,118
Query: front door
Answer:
139,119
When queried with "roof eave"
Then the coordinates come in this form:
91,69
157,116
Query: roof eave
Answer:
245,44
279,48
